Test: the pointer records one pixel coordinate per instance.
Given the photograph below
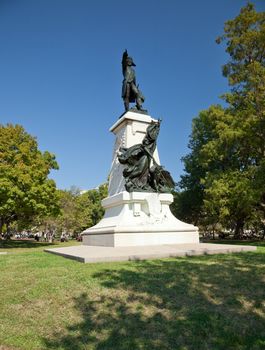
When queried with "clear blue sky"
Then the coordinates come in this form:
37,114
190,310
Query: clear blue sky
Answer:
60,73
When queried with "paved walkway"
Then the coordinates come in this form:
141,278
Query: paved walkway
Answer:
91,254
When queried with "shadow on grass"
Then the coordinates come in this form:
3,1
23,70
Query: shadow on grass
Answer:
12,243
195,303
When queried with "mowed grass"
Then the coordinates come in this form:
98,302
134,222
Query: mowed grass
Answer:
28,245
208,302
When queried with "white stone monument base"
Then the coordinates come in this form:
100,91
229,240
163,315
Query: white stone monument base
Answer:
139,219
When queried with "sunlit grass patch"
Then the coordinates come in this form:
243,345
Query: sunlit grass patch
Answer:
207,302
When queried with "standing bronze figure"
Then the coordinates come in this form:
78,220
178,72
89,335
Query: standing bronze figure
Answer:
130,91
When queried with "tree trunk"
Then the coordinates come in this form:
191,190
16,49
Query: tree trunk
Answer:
263,236
239,230
8,236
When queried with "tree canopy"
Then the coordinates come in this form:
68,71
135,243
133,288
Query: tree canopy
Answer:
30,200
25,189
224,180
78,211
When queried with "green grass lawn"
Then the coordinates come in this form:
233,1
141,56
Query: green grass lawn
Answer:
27,245
207,302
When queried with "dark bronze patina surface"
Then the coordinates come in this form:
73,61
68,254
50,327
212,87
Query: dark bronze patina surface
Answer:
130,91
139,175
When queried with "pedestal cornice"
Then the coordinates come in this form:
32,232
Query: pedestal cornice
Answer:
129,117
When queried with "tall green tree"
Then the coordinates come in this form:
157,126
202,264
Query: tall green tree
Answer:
225,169
244,38
25,189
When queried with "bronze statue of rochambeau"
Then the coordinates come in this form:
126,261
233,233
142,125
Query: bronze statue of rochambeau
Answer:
130,91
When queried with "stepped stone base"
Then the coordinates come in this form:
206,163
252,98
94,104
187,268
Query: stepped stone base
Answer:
89,254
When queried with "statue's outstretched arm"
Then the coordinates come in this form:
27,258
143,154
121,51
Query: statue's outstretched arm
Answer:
123,62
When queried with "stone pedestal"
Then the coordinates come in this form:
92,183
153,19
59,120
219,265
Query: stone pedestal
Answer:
129,130
137,218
